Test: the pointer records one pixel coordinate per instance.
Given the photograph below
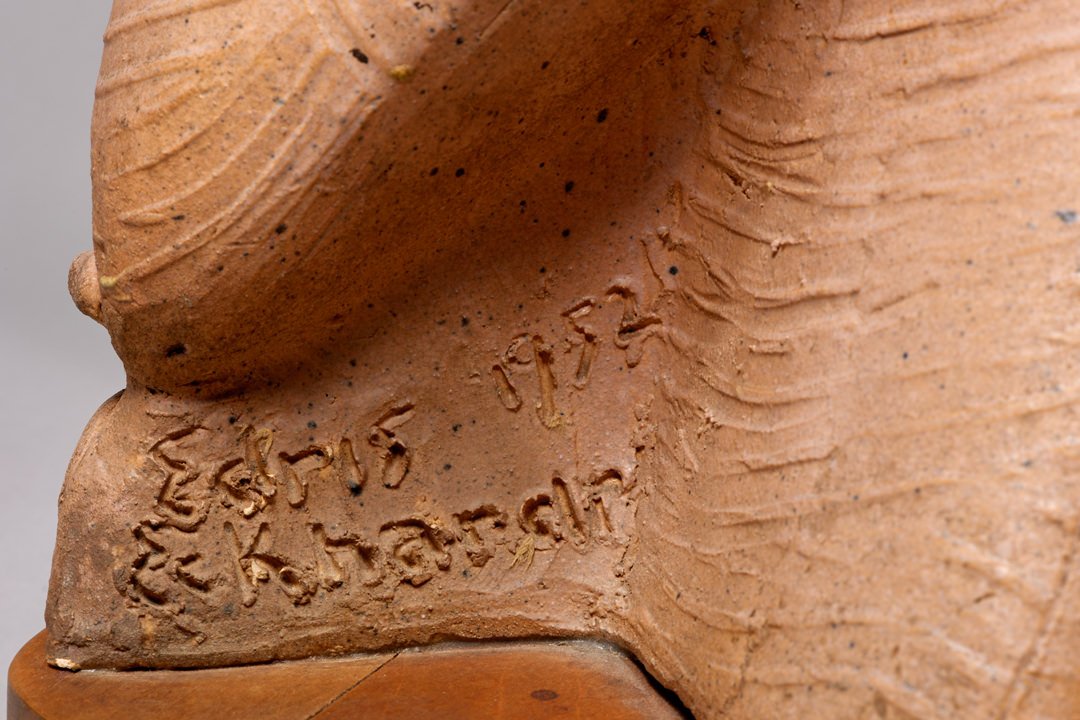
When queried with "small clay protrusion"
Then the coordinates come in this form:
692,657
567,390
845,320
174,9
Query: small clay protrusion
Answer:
84,286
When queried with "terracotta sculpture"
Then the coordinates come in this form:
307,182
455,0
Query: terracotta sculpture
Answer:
741,334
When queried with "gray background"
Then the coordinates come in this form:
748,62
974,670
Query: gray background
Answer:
56,366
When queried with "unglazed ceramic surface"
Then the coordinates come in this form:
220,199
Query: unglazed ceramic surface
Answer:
741,334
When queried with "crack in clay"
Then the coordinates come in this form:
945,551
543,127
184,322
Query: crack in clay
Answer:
349,689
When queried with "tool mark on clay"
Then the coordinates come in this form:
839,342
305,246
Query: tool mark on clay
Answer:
634,327
469,521
242,554
362,560
353,475
574,316
544,358
395,457
575,528
508,394
310,460
419,548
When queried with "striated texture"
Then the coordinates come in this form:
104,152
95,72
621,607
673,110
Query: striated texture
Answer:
738,333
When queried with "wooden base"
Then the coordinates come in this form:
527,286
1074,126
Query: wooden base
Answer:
521,680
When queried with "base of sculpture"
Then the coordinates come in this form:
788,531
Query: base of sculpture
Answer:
489,680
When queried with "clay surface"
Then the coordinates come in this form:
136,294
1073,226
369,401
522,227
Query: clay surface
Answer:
741,334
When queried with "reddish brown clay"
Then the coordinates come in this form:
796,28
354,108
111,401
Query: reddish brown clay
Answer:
741,334
523,681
